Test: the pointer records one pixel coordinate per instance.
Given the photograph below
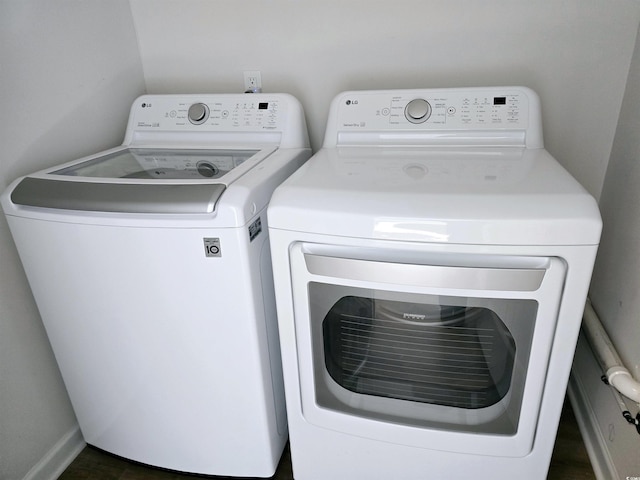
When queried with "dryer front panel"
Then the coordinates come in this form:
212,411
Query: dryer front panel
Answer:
431,350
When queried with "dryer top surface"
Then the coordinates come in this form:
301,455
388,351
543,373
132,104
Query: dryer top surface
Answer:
479,195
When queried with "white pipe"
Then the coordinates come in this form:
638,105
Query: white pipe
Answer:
617,375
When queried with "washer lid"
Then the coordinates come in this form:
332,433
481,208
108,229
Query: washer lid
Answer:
117,197
497,196
160,164
140,180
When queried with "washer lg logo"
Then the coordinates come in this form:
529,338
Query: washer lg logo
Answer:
352,102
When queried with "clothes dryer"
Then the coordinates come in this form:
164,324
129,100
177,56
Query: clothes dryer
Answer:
150,265
431,266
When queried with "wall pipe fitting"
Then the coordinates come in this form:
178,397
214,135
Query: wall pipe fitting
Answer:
616,374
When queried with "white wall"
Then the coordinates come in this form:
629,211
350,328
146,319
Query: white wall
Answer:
69,71
616,278
575,53
614,291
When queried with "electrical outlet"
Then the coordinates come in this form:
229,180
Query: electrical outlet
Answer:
252,81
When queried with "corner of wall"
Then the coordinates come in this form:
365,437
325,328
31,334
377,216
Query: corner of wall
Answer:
58,458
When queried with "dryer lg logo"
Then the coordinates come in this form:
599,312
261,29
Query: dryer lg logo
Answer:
352,102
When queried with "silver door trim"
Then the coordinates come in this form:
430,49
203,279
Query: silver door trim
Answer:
433,276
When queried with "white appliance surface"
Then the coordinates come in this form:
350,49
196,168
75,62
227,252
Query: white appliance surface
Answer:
428,213
150,265
478,195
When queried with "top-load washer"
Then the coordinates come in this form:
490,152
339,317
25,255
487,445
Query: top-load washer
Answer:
150,266
431,265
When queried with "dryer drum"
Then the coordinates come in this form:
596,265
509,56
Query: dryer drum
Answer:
438,354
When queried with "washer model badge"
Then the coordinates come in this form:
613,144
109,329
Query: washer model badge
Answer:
212,247
254,229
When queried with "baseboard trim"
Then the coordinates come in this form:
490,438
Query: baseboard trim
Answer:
584,386
59,457
591,435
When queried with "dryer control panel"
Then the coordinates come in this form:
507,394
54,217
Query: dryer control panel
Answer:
508,115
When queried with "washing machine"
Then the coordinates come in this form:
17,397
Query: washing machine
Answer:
431,265
150,265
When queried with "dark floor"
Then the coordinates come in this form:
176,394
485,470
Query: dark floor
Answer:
569,461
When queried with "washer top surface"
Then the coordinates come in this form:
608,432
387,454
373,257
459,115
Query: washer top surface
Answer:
160,164
180,155
441,182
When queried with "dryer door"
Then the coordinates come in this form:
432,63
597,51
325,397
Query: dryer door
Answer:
437,351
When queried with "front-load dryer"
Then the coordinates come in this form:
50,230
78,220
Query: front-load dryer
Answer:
431,266
150,265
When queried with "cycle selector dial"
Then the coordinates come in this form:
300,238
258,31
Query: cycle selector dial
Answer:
198,113
417,110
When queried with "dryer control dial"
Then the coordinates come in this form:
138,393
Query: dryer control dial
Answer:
417,110
198,113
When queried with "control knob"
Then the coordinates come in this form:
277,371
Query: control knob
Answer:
198,113
417,110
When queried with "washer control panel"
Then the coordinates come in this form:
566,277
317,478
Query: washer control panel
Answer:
205,120
245,112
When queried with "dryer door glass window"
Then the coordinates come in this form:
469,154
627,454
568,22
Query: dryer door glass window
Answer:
448,355
457,363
